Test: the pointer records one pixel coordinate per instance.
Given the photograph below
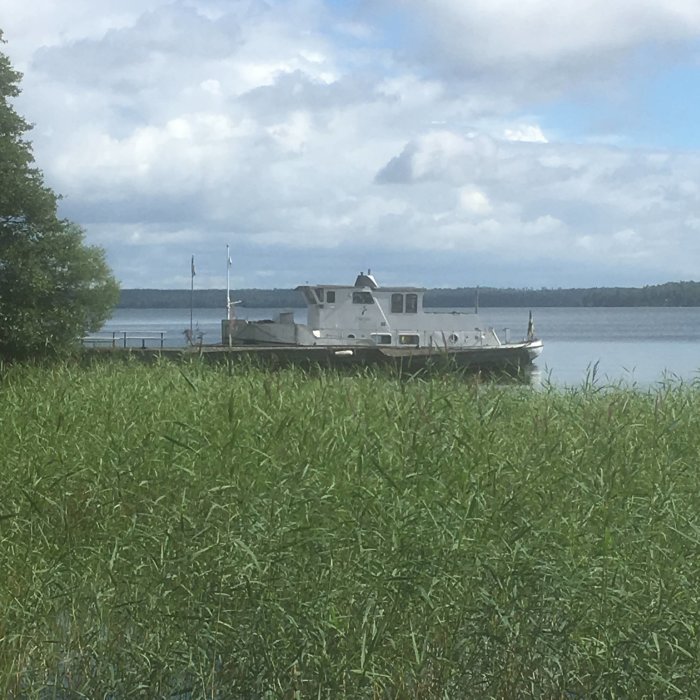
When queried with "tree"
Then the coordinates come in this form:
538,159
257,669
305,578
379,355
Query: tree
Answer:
53,287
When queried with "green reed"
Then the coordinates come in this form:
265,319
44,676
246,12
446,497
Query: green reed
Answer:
193,531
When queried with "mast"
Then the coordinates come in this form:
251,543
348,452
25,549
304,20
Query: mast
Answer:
228,281
229,315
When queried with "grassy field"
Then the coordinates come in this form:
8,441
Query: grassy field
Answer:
190,531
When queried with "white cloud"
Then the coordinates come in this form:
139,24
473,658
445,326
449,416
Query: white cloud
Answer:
29,26
530,133
474,201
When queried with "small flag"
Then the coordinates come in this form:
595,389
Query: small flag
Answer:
193,270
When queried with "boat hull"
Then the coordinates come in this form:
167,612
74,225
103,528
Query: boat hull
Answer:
509,357
513,359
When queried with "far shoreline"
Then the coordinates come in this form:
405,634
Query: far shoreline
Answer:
669,294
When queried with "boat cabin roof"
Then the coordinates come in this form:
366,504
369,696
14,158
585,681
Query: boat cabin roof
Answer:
302,287
365,280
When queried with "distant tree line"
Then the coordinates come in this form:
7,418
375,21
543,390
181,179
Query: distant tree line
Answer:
668,294
494,297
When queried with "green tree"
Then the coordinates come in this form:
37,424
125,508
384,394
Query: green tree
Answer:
53,287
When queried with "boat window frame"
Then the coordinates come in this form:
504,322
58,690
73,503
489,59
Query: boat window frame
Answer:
411,305
409,339
397,303
330,296
362,297
381,338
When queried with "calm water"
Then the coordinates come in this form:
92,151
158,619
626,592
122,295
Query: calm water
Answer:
636,345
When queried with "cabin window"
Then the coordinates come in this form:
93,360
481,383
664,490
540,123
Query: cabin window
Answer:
381,338
408,339
397,303
319,294
362,298
411,303
330,296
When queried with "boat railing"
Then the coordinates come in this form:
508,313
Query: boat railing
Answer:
126,339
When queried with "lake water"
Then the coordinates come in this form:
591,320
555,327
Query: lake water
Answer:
639,346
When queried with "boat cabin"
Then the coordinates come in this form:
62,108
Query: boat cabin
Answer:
368,313
364,308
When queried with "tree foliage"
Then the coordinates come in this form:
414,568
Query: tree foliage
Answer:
53,287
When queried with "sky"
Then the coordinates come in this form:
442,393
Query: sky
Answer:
441,143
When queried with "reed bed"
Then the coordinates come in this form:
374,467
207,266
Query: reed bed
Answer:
188,531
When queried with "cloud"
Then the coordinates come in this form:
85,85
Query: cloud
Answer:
439,154
548,201
494,34
525,132
319,136
474,201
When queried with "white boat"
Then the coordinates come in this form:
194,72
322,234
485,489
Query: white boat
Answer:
349,320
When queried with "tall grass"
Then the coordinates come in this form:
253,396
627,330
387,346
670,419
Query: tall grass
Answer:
191,531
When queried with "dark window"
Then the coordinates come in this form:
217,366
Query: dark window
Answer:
397,303
408,339
362,298
381,338
319,293
330,296
411,303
